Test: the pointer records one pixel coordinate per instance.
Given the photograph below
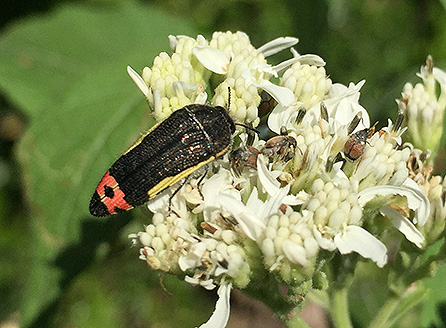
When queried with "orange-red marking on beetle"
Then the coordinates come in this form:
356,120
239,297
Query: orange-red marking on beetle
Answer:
117,198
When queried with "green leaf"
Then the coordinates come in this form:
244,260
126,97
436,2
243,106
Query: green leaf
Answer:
67,71
396,307
433,306
41,57
121,292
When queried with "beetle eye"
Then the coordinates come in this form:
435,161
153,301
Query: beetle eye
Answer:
108,191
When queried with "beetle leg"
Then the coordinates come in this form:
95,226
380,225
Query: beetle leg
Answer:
359,162
169,209
206,168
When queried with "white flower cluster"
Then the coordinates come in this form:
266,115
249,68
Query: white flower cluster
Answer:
276,204
435,189
309,83
423,108
382,163
204,253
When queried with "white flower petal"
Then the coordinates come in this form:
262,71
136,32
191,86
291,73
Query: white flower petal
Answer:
220,182
220,270
340,90
346,110
342,105
292,200
213,187
282,95
273,204
193,259
416,199
359,240
186,263
139,81
201,98
282,66
211,58
173,40
309,59
159,203
248,71
192,280
439,76
253,200
220,316
157,104
403,224
283,116
277,45
323,242
250,223
208,284
182,88
302,196
269,183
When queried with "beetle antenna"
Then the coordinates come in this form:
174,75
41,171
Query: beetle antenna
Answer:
229,97
240,124
248,127
372,130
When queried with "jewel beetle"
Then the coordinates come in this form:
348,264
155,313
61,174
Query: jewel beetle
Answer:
188,139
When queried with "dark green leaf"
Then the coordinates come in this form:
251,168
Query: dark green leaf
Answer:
434,305
40,58
67,71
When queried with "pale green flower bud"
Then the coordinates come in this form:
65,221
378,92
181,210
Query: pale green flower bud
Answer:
435,189
381,163
334,203
434,228
309,83
231,42
163,240
289,243
176,81
212,259
424,111
244,100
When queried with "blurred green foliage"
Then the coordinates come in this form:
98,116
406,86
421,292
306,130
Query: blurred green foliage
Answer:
62,75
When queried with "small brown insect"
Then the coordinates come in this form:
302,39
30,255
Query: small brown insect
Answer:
244,157
354,147
282,146
267,103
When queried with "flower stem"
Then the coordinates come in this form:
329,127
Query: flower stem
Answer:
382,318
398,305
339,308
296,322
